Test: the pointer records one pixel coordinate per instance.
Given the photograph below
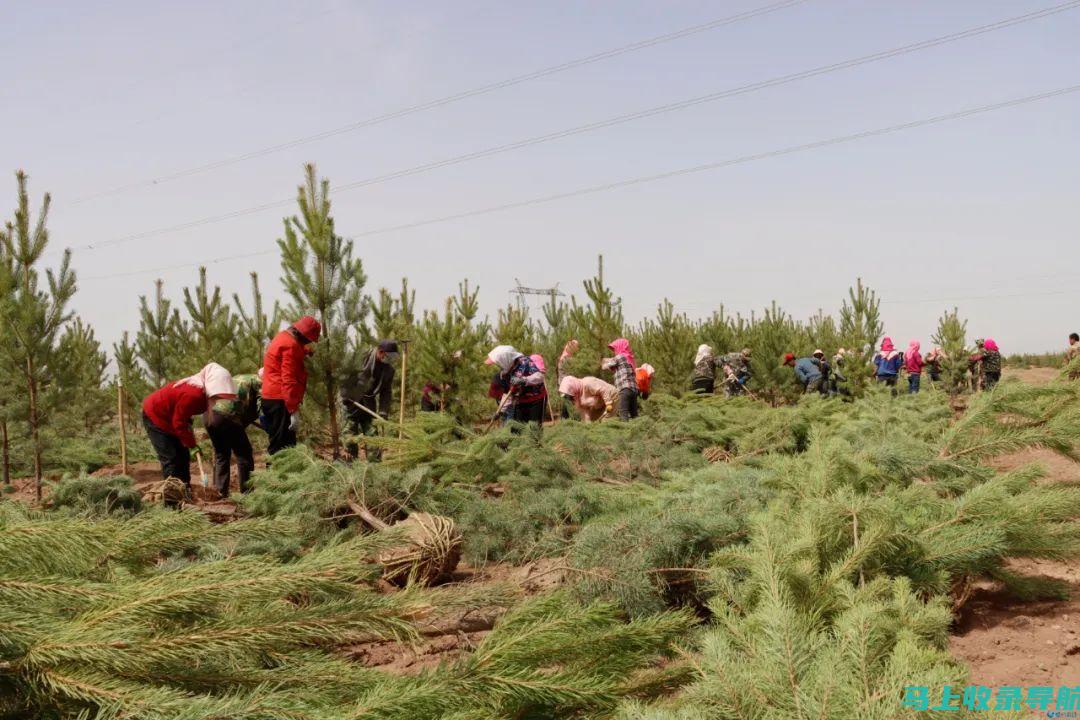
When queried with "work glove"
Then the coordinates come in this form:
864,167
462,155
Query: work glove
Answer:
608,409
294,421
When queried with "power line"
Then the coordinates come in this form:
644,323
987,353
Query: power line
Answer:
617,120
447,100
644,179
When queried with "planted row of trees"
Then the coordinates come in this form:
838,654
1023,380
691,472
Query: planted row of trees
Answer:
54,370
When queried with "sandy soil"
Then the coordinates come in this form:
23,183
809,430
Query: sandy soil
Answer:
1033,375
1006,641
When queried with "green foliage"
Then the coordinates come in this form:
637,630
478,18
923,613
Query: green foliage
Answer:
951,337
596,322
211,328
322,278
668,343
160,337
86,494
255,329
860,329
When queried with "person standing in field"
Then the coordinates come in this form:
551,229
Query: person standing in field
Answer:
167,415
226,423
368,392
519,376
933,361
703,380
624,369
990,360
913,364
888,361
1071,354
284,380
736,369
807,372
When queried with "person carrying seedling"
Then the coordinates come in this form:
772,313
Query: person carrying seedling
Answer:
703,380
522,383
593,398
226,423
807,372
284,380
888,362
913,364
736,369
624,369
167,414
367,393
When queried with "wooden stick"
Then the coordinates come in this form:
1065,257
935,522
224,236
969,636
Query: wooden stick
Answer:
202,470
498,412
123,428
404,369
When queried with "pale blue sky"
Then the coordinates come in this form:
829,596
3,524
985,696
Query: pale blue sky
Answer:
979,212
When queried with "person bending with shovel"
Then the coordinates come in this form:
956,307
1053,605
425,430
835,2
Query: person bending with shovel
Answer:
167,414
367,394
523,382
226,423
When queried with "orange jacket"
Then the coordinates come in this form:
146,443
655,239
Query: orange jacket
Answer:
284,374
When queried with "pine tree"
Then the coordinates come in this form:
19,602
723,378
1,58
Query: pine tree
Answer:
211,327
322,278
514,327
597,323
130,375
34,316
161,342
720,332
393,317
450,350
951,336
823,333
668,344
80,378
255,328
860,329
775,334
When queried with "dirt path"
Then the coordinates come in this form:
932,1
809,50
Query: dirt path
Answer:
1006,641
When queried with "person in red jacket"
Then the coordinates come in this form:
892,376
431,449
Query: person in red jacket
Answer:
167,414
285,380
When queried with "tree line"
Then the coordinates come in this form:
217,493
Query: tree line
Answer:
58,402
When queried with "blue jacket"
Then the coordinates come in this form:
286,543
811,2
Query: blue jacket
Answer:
807,369
890,367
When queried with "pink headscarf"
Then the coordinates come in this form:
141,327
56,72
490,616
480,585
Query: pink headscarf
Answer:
621,346
989,344
215,381
886,344
538,361
913,361
571,386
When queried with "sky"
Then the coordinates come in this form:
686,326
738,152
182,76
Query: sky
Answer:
101,99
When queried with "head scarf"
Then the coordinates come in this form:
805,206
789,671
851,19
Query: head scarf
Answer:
990,345
214,380
819,353
621,346
309,327
912,349
703,352
538,361
571,386
887,344
503,356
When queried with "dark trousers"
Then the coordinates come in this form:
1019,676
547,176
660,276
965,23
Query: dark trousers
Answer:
569,410
628,404
229,438
361,423
529,413
175,459
990,379
814,385
703,385
277,426
913,381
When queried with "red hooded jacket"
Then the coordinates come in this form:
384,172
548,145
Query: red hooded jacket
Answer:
284,374
172,407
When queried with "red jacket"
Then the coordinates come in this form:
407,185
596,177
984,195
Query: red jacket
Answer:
284,374
172,407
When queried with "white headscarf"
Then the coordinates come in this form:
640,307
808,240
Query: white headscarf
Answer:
215,381
503,356
703,351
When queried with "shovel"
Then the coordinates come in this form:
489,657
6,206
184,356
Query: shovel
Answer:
202,470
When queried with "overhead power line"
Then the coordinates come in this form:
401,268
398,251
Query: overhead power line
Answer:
644,179
447,100
609,122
